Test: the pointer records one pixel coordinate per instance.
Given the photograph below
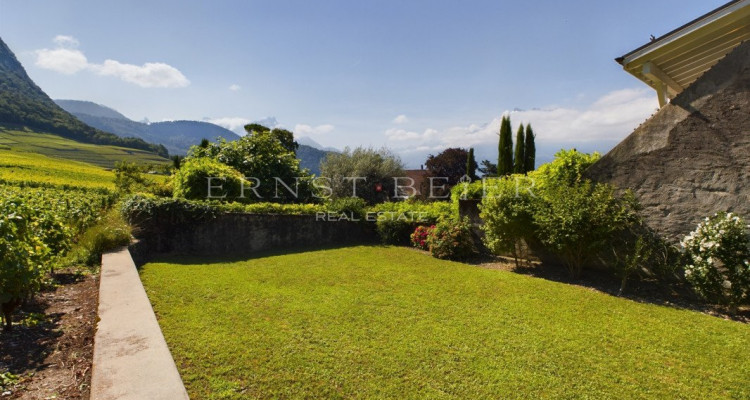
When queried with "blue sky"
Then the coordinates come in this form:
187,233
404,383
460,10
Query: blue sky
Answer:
416,76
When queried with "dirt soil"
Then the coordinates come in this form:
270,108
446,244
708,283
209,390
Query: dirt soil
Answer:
51,347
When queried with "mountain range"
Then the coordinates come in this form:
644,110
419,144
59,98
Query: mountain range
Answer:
23,103
176,136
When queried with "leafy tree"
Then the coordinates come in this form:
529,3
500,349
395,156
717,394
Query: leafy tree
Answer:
129,178
566,169
519,163
450,164
282,135
507,211
370,170
488,169
471,166
529,155
505,148
262,158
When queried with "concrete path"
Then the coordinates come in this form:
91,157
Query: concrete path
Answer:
131,358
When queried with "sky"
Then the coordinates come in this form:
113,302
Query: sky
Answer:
415,76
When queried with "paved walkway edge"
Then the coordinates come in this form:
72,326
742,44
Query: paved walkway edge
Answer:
131,357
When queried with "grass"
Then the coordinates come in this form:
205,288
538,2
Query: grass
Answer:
55,146
387,322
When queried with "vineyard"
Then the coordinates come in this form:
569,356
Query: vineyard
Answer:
38,226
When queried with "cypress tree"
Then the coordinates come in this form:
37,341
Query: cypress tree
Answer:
505,148
519,162
471,165
530,150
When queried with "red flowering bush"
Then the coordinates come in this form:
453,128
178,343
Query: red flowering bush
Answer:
451,239
420,235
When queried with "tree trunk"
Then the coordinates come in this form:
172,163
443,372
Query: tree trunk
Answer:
7,309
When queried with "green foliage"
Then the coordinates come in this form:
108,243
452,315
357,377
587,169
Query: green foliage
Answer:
130,178
580,220
718,255
285,137
488,169
529,153
566,169
263,159
191,181
377,167
396,221
110,233
519,156
508,213
351,206
451,240
23,252
505,148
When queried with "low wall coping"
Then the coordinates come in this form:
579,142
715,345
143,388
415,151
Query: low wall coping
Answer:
131,357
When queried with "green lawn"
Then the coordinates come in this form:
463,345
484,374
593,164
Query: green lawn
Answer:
388,322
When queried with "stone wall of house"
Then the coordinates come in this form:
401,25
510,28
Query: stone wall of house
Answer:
246,234
692,158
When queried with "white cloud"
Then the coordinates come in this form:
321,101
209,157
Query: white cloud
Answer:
68,60
401,119
235,87
64,61
302,129
65,41
611,117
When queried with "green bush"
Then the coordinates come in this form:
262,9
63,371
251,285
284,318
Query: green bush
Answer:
192,179
110,233
580,220
351,206
396,221
508,213
566,169
718,254
23,254
452,240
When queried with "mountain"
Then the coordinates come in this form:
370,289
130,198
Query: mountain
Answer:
308,141
23,103
176,136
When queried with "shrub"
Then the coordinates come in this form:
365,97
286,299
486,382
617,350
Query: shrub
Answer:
192,179
451,239
565,170
110,233
351,206
22,255
420,236
718,254
397,220
508,214
129,178
580,220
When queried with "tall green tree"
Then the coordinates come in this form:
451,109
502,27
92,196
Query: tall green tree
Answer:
471,166
505,148
530,150
519,163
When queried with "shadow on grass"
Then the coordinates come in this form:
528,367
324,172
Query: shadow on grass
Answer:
673,294
193,259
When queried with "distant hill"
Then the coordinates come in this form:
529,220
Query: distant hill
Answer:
176,136
23,103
